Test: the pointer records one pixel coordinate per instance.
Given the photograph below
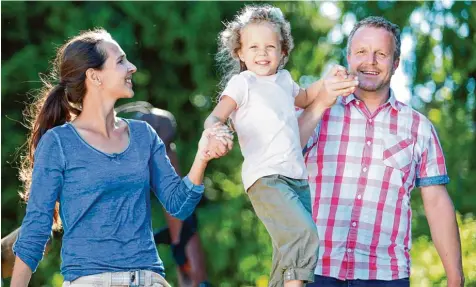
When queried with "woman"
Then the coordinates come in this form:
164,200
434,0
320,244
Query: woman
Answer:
100,169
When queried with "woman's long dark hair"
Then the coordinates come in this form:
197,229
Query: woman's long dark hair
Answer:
60,103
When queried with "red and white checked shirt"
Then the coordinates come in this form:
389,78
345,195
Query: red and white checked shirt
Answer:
362,168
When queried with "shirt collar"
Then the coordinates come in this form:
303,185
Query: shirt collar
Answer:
392,100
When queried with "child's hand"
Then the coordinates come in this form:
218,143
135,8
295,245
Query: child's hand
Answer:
216,142
222,133
217,147
337,82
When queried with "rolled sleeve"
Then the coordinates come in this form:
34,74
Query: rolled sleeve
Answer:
47,181
192,187
433,180
193,196
431,169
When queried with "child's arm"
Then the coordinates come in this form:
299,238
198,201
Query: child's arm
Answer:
307,96
336,83
221,112
337,77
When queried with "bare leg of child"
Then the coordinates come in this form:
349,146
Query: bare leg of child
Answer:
293,283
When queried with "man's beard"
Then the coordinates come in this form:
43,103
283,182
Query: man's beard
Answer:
372,87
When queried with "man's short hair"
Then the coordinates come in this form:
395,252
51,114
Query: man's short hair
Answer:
378,22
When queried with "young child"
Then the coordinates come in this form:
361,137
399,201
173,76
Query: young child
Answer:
259,96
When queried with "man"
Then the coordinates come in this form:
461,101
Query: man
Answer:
365,156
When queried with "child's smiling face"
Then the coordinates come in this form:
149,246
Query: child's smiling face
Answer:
260,48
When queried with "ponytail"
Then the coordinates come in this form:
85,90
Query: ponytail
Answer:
53,112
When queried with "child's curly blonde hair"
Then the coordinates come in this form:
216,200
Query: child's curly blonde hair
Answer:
229,40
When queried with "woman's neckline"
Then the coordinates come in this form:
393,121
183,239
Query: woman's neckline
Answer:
112,155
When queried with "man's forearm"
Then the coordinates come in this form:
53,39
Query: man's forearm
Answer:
444,232
308,121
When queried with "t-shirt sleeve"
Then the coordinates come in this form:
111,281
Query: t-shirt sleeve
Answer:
295,88
236,89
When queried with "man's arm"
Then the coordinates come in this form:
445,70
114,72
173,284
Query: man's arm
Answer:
336,83
444,231
308,121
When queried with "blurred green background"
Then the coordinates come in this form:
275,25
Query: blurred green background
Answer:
173,46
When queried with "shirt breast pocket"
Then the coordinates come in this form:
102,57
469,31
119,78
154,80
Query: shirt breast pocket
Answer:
398,152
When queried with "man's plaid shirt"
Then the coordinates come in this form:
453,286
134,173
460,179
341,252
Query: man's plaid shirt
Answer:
362,168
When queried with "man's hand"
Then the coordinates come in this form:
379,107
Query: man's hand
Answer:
337,82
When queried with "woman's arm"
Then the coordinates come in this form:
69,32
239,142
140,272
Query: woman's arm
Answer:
46,184
180,196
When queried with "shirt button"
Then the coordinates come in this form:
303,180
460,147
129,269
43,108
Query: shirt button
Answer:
349,250
364,169
358,102
354,224
368,143
359,196
370,120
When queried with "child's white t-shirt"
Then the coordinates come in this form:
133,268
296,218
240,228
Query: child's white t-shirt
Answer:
266,124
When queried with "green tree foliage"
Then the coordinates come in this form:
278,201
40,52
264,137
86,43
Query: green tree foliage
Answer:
173,45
